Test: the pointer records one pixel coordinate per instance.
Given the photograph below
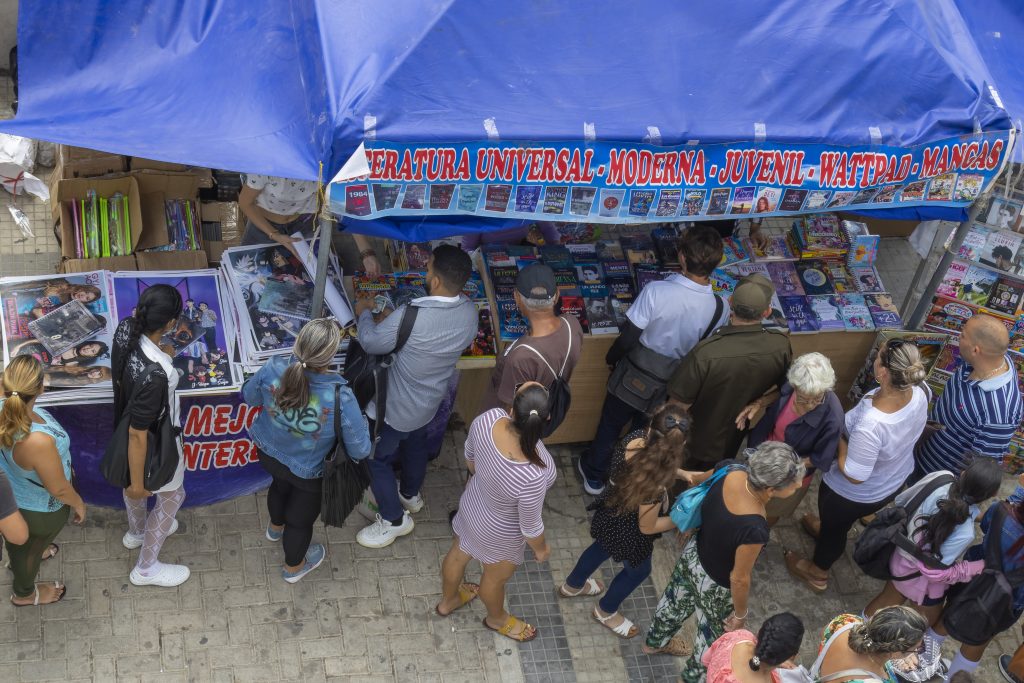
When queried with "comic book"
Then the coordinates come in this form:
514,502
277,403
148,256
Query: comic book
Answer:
785,278
940,189
948,315
722,282
968,187
976,285
1006,296
973,246
914,192
799,314
950,284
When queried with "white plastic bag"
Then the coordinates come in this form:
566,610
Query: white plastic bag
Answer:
19,151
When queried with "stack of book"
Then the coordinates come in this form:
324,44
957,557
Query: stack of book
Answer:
819,236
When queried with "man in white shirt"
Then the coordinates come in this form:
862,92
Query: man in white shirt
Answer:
668,317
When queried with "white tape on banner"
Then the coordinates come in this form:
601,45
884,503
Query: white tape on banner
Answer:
653,135
492,129
693,142
589,132
355,167
760,132
875,133
370,127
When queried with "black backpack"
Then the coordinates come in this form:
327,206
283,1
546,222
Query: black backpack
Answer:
888,531
982,608
367,373
559,394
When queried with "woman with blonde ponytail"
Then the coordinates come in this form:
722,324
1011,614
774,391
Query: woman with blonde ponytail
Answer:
36,459
295,432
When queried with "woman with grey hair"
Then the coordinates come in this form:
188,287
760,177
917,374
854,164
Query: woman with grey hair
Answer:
712,578
807,416
859,651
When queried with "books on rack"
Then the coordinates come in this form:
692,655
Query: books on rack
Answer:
854,311
785,278
976,285
777,246
1006,296
884,312
800,316
813,277
951,281
863,246
948,315
827,312
67,322
866,279
973,246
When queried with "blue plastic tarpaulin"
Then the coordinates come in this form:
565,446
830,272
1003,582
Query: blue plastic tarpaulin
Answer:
281,87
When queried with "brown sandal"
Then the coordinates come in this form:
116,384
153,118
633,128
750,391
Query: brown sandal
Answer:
467,592
811,525
793,567
525,634
677,647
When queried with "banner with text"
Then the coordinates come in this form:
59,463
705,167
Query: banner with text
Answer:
620,183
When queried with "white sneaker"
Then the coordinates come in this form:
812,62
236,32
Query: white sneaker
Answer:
167,576
367,507
383,533
131,541
411,505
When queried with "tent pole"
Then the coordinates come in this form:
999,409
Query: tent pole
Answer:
323,258
925,302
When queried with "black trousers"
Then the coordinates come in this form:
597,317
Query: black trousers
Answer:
295,503
838,516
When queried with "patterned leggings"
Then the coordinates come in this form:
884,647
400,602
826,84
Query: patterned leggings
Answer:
691,591
156,526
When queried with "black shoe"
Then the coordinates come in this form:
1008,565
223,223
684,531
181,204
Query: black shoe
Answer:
1004,668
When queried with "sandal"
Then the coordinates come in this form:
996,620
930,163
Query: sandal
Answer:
467,591
625,629
590,587
677,647
51,551
811,525
525,634
793,561
35,596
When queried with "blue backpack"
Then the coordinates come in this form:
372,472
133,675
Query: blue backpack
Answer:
685,511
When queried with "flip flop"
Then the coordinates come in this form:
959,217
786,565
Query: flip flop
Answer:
590,587
676,647
793,567
467,592
506,630
625,630
51,551
35,600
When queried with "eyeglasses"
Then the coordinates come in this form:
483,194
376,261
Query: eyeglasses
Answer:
809,401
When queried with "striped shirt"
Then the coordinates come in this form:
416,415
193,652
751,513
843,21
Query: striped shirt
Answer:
978,416
501,506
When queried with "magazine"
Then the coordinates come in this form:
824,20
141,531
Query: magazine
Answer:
884,312
976,285
951,281
948,315
65,326
1006,296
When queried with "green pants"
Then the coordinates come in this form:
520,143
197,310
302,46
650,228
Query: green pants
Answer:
43,527
691,591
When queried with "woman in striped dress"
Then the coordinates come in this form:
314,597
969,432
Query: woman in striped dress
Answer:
500,511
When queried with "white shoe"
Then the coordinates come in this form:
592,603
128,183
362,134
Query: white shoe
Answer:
131,541
383,533
167,576
411,505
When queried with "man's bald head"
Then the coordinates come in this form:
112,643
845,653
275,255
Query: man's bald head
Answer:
987,334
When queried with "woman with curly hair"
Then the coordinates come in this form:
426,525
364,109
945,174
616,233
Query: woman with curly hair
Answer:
854,650
739,657
631,513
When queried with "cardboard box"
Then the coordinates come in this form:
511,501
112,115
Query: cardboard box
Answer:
171,260
84,265
232,221
154,189
214,249
204,176
78,188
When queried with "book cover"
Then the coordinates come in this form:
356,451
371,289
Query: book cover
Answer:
637,241
841,199
615,268
855,313
65,327
609,250
817,199
415,196
640,202
504,275
645,273
527,197
1002,213
620,284
799,314
949,356
620,303
884,311
826,312
719,202
555,255
785,278
441,195
723,283
1006,296
742,200
973,246
565,280
666,245
611,202
599,315
866,279
776,317
1000,249
693,202
767,199
950,284
813,277
582,200
554,198
589,273
497,197
483,346
777,247
976,285
733,252
914,192
948,315
357,200
968,187
576,307
417,255
668,203
744,269
839,277
887,195
469,197
511,324
940,189
792,200
474,287
638,256
385,195
584,251
864,196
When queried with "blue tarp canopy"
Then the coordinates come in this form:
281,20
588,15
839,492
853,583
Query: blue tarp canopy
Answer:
281,87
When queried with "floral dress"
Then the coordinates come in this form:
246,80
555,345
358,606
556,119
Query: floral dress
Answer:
837,625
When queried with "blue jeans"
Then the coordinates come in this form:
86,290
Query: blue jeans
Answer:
624,583
404,449
615,413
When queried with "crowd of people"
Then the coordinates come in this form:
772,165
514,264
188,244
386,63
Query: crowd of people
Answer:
693,378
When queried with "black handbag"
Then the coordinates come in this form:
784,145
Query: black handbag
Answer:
344,478
162,454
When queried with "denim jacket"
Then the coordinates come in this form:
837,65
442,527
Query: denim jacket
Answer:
300,439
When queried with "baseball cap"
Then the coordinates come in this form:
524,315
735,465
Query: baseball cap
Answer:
536,281
754,291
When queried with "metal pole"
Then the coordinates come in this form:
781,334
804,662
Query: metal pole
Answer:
323,257
925,302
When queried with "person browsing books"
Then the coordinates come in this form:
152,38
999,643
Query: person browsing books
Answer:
980,407
276,208
293,434
445,324
552,344
665,322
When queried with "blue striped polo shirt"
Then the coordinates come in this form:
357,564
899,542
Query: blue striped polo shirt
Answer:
979,417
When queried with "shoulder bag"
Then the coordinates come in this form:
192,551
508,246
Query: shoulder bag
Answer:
344,478
685,511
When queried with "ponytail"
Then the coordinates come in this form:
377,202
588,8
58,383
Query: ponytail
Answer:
778,640
529,415
316,345
979,482
294,390
157,306
22,382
